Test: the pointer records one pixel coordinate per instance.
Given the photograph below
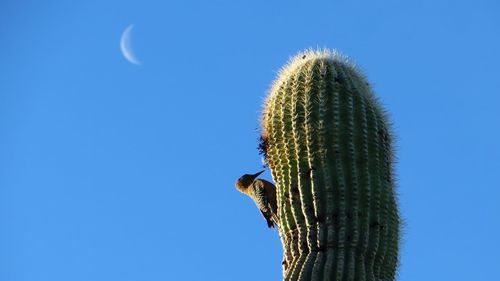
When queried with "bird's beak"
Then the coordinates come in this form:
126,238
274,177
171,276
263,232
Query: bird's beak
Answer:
256,175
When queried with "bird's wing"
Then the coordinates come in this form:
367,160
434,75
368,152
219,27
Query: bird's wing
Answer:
260,195
270,190
262,201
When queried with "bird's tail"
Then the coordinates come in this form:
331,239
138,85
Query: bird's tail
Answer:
271,223
274,220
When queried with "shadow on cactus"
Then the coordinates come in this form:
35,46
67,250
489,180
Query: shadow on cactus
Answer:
327,142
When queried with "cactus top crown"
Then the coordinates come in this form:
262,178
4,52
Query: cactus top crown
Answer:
295,63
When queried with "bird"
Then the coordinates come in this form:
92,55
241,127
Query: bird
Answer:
263,193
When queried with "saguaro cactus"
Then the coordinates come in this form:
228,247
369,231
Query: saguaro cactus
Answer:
327,142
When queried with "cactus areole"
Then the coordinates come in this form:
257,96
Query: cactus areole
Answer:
327,142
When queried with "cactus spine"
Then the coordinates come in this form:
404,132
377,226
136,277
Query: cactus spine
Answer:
328,144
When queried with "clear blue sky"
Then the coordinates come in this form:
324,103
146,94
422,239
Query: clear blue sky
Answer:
113,171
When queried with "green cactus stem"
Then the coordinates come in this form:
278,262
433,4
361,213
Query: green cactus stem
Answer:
327,141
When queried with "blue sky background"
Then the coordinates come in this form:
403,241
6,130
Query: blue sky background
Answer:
112,171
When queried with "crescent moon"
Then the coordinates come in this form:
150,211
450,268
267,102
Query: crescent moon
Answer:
125,45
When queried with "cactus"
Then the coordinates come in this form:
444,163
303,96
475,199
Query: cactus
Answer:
327,142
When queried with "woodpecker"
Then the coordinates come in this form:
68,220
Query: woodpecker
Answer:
263,193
